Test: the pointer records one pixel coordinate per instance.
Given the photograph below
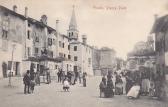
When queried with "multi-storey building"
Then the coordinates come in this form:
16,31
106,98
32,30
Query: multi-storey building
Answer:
160,29
104,60
40,45
80,52
143,54
26,41
12,31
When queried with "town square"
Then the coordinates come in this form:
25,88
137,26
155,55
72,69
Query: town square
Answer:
76,53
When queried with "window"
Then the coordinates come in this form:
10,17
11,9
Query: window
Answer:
69,56
56,66
61,54
28,34
4,34
9,65
63,45
53,41
37,39
75,68
51,54
69,34
28,51
72,33
29,25
59,43
75,48
75,58
68,47
36,50
49,41
64,55
5,28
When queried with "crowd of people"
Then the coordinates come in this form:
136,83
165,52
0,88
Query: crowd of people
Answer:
70,78
132,83
32,78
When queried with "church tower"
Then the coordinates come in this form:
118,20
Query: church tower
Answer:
73,31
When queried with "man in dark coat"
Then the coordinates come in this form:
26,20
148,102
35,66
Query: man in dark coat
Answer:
58,75
26,81
84,79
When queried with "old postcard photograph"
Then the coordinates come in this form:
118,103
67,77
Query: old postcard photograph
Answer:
83,53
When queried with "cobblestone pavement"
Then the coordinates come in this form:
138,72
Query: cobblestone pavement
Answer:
51,95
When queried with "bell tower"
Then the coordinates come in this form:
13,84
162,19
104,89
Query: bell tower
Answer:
73,31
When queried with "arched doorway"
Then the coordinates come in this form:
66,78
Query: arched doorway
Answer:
4,69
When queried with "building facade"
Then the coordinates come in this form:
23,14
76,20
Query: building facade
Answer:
25,41
12,31
104,60
80,52
143,54
160,29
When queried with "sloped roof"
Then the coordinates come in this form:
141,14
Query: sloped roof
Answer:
34,21
160,25
12,12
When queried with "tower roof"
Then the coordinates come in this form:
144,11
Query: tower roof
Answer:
73,24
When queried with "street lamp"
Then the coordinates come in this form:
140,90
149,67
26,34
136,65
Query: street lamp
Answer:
10,73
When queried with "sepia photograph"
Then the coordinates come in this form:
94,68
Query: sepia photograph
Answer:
83,53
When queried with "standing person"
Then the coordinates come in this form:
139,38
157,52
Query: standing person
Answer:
32,73
84,79
76,76
118,85
69,76
58,75
63,76
129,81
145,81
37,80
32,85
109,89
48,77
80,77
124,82
26,81
102,87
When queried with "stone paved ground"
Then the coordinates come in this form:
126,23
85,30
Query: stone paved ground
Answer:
52,96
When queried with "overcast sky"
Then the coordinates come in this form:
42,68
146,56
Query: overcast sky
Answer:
101,20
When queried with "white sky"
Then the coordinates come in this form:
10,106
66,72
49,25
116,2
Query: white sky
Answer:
118,29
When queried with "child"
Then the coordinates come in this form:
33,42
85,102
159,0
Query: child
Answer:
32,84
66,85
152,89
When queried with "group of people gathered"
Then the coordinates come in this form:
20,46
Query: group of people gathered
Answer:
70,78
32,78
132,84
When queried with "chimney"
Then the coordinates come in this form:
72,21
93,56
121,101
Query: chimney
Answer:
44,19
26,12
84,39
15,8
57,25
